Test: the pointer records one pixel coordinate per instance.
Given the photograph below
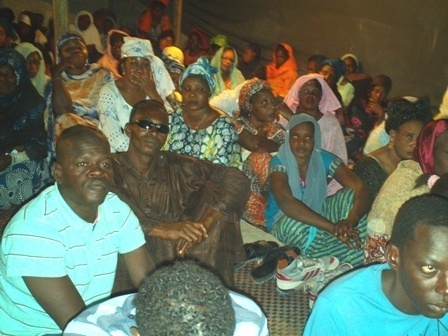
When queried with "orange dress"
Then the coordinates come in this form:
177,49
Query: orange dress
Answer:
281,79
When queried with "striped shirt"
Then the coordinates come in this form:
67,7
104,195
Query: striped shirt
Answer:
47,239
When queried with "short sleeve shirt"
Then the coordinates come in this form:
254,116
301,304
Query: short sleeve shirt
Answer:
47,239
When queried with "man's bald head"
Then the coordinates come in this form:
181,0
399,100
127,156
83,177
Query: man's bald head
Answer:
75,135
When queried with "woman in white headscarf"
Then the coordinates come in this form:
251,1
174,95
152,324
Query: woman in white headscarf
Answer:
35,65
144,78
84,26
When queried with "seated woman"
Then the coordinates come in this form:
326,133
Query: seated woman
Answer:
35,65
299,211
281,73
165,39
24,171
259,136
379,138
109,61
311,94
365,113
314,63
404,123
197,46
404,183
173,58
85,27
76,84
227,76
144,77
333,71
198,129
250,60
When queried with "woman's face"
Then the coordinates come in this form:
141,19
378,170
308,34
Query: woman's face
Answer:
136,69
116,49
4,39
74,51
405,138
83,22
301,140
312,67
194,41
166,42
378,94
227,60
281,57
310,95
329,74
8,79
350,65
195,93
175,78
33,63
441,154
263,106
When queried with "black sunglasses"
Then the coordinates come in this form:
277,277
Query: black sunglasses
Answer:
149,125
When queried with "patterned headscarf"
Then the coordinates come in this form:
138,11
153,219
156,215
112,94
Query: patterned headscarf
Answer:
328,103
136,47
173,58
69,35
17,62
250,88
401,110
203,69
316,180
424,153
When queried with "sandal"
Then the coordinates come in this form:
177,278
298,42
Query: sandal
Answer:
278,257
256,251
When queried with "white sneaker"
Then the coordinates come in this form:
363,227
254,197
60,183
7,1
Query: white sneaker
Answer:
304,270
324,278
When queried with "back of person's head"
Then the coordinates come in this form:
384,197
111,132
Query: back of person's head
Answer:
256,49
184,299
401,110
7,13
428,209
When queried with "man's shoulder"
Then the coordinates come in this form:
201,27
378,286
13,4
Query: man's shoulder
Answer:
355,284
44,205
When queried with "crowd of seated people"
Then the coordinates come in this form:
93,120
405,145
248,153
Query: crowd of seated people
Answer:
192,141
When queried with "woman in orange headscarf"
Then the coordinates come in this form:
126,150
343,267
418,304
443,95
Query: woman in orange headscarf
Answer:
281,73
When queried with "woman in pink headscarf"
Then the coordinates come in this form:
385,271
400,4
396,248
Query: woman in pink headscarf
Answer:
282,71
311,94
410,178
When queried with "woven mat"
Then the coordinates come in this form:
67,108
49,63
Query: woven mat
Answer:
286,314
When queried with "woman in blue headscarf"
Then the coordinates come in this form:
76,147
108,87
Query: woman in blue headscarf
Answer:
23,167
299,211
227,76
198,129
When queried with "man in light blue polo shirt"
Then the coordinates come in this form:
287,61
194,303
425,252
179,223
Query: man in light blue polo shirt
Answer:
59,252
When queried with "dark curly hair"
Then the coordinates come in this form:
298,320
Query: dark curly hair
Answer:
401,110
184,299
427,209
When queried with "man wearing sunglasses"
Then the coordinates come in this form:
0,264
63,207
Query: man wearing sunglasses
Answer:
186,207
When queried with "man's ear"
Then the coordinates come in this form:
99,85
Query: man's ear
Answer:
392,135
57,172
393,256
127,129
134,331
